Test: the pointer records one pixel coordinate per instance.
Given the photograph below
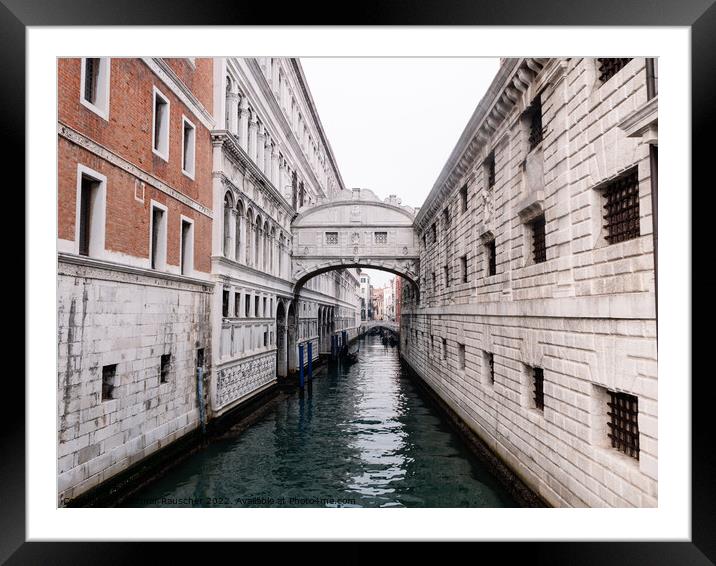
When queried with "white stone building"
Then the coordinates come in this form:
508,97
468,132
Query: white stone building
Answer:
536,316
271,161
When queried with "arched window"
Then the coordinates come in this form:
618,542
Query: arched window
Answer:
257,242
239,217
249,236
266,252
228,205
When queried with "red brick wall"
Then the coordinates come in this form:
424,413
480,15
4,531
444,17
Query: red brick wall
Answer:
129,134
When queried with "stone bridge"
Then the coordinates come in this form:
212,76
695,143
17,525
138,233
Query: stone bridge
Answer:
367,325
355,229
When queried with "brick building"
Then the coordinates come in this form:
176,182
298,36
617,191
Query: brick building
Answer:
134,247
536,317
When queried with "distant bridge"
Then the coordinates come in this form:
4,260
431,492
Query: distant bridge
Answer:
367,325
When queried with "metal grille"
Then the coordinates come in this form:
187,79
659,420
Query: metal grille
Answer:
331,238
491,258
538,375
610,67
490,167
381,237
91,72
624,423
491,366
539,248
622,208
446,269
435,232
535,118
463,198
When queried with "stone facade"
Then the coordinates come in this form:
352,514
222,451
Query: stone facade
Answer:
271,161
134,236
532,311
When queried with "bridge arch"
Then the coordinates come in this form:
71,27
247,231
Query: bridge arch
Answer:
355,229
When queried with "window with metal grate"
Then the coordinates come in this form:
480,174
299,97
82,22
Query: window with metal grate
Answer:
539,247
624,423
610,67
538,380
621,207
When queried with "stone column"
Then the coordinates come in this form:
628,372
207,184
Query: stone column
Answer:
253,130
244,123
260,146
232,110
275,167
267,157
242,247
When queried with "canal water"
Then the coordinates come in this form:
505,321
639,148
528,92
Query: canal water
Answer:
357,436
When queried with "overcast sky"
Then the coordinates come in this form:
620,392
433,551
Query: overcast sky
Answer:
392,123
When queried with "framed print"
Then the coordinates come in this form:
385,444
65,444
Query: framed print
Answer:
394,279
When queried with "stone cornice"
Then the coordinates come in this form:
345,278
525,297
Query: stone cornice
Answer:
84,261
514,78
160,68
92,146
642,119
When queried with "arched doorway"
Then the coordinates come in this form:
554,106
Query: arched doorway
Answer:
281,341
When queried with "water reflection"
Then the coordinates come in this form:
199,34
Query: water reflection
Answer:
356,436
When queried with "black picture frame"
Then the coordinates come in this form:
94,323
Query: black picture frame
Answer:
698,15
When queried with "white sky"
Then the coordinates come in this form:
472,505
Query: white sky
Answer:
392,122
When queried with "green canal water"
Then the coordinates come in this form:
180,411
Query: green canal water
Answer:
357,436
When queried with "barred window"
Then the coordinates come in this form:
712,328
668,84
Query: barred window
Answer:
463,264
539,247
461,356
533,115
225,303
331,238
491,249
490,366
463,199
381,237
165,367
435,232
446,270
621,207
538,381
109,373
445,351
610,67
624,423
490,169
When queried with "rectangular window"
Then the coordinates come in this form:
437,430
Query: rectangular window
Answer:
435,232
187,247
446,271
160,129
539,248
225,303
88,193
463,199
490,170
109,374
188,146
445,351
247,310
237,304
159,238
435,283
624,423
265,311
95,85
381,237
461,356
165,367
538,383
331,238
265,338
256,307
491,251
610,67
489,365
463,265
621,208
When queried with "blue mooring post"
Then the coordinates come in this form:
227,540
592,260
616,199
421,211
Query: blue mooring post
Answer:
300,365
310,360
